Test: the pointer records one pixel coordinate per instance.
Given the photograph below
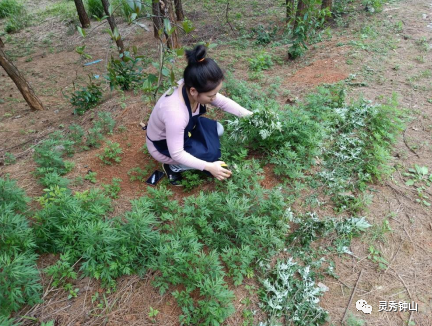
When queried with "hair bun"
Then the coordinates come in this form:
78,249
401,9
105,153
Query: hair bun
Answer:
196,55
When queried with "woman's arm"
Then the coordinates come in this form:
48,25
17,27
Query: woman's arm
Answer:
230,106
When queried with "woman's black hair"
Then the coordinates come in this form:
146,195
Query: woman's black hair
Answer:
201,73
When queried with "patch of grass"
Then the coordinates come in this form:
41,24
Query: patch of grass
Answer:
65,10
10,8
95,8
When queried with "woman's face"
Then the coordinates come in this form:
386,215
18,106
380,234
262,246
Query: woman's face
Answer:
207,97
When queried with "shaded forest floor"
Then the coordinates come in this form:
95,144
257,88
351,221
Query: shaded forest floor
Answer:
375,56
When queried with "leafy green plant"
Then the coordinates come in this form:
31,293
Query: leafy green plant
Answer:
264,36
192,179
373,5
53,179
376,256
76,134
19,281
112,190
49,155
418,174
12,195
290,291
91,176
354,321
86,98
111,153
153,313
105,122
95,8
10,7
262,61
307,28
125,73
9,159
61,272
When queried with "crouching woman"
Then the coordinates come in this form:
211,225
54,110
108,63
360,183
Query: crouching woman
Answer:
178,135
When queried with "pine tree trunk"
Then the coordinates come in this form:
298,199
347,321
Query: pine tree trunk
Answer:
112,23
157,18
82,14
301,9
327,4
163,9
19,80
179,10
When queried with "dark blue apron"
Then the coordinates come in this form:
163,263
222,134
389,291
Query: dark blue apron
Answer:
200,136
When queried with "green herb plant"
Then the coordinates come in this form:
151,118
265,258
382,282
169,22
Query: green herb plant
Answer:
86,98
111,153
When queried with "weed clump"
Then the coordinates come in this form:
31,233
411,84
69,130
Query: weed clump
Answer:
19,276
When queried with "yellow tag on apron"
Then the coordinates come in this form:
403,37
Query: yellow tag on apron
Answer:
189,134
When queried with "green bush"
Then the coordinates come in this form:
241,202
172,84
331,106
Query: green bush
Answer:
86,98
19,281
125,73
262,61
16,236
10,8
12,196
49,155
111,153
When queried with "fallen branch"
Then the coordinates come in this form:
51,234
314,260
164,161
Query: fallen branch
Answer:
352,295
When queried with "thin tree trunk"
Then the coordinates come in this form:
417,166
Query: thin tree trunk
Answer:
163,9
82,14
112,23
1,44
327,4
172,40
19,80
157,18
179,10
301,9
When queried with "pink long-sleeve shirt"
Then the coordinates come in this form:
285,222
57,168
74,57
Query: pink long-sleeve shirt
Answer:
169,119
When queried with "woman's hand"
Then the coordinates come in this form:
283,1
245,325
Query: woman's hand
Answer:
217,170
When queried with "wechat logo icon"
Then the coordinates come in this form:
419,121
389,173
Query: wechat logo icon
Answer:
363,306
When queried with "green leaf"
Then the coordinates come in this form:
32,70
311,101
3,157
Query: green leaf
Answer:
133,17
167,26
110,9
410,182
187,26
181,51
81,31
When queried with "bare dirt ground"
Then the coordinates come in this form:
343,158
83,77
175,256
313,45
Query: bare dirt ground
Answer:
395,59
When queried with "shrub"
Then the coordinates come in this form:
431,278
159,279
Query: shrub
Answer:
9,159
86,98
111,153
15,233
10,8
12,196
262,61
290,291
19,281
49,155
125,73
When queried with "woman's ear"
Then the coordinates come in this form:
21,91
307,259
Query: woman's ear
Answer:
193,92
